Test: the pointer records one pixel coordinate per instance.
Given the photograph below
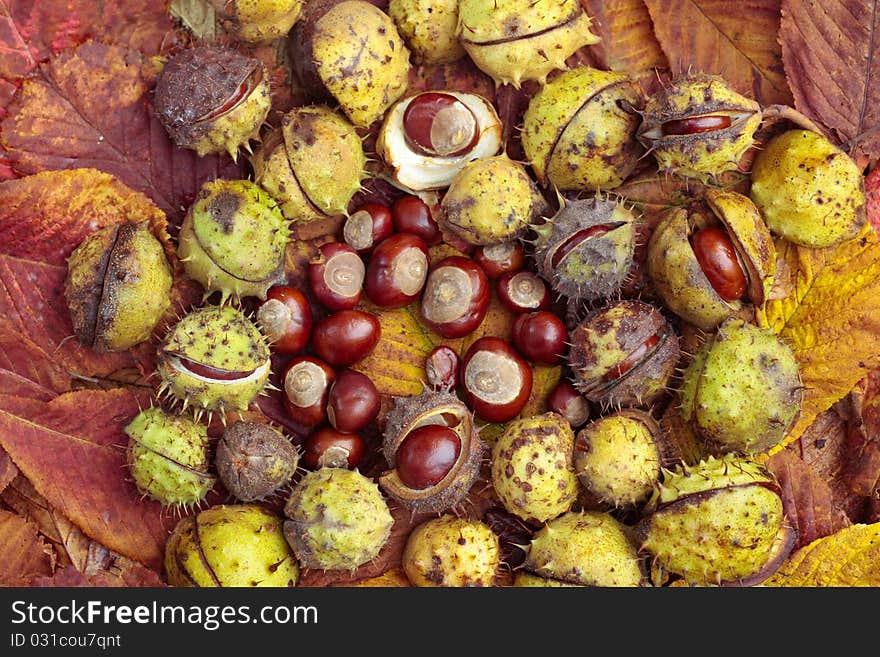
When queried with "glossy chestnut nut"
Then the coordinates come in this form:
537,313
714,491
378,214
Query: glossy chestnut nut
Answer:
440,124
441,368
345,337
496,380
523,291
285,317
329,448
426,455
456,297
337,276
397,270
306,383
411,214
718,260
540,336
569,403
499,259
353,402
694,125
367,226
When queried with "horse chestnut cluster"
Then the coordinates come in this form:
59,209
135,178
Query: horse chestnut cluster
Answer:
553,343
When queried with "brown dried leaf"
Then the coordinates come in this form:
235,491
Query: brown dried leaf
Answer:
395,577
628,42
831,321
807,498
849,557
130,574
712,36
829,51
864,431
23,553
8,471
73,454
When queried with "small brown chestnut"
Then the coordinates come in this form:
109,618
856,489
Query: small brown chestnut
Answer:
285,317
306,383
541,336
337,276
411,214
440,124
499,259
569,403
456,297
328,448
346,336
367,226
523,291
353,402
718,260
426,455
397,270
441,368
496,380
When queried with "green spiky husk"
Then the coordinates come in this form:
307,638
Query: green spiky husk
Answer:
597,267
337,519
168,457
452,551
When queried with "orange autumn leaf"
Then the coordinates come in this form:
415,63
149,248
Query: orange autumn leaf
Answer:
76,460
8,471
628,43
831,319
849,557
395,577
23,552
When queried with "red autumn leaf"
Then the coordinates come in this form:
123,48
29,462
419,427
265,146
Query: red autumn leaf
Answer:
8,471
90,107
75,459
26,370
23,553
713,36
829,51
864,432
872,191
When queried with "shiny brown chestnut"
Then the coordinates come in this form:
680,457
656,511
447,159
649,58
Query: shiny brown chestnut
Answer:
541,337
397,270
501,258
336,276
456,297
328,448
523,291
367,226
411,214
569,403
433,451
496,380
306,383
353,402
285,317
441,368
346,336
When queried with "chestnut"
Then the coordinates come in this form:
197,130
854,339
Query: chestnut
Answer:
496,380
540,336
569,403
353,402
441,368
367,226
337,276
328,448
346,336
456,297
501,258
411,214
306,383
523,291
285,317
397,270
426,455
717,257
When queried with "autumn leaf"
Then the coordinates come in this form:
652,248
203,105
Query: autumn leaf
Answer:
829,51
391,578
91,108
8,471
831,320
863,469
872,194
23,552
627,37
75,459
849,557
807,498
712,36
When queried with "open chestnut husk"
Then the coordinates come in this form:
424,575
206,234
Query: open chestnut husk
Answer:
705,267
432,447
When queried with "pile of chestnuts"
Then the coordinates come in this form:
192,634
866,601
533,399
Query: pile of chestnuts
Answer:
433,217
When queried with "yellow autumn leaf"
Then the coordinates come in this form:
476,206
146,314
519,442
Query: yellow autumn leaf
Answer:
394,577
830,318
849,557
